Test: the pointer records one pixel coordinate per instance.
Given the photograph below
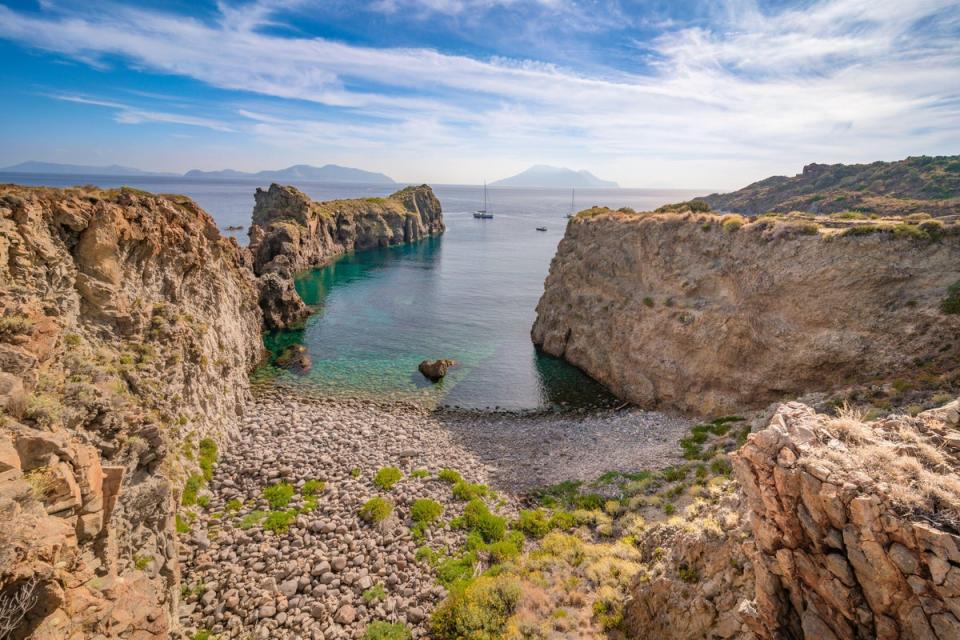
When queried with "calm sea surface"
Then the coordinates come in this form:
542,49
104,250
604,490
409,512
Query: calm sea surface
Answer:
469,295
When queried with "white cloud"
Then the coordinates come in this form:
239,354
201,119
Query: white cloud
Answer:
126,114
840,80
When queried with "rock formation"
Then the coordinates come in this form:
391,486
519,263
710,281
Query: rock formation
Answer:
436,369
127,328
291,233
855,524
708,314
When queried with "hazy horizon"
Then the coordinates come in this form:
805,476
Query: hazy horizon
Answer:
644,93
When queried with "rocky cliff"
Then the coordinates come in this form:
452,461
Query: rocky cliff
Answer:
920,184
708,314
856,525
127,328
291,233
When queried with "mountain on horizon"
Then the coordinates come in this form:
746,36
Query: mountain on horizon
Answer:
57,168
326,173
541,175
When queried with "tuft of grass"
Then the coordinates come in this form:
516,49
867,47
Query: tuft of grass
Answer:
234,505
534,523
190,488
313,487
14,325
648,302
386,477
182,526
420,473
278,495
381,630
376,510
688,574
374,593
424,511
279,521
252,519
207,457
732,222
450,476
466,491
477,518
355,472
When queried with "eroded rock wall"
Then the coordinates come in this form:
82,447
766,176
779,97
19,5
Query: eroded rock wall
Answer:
291,233
127,328
707,315
855,525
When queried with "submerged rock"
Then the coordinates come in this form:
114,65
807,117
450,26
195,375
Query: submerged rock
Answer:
295,358
436,369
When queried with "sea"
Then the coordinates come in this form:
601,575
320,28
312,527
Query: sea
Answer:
468,295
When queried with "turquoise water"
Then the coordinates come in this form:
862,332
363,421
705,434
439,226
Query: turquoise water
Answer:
469,295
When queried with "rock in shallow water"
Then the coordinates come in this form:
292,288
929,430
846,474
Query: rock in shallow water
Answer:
436,369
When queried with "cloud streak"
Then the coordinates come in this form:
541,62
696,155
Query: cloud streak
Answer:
840,79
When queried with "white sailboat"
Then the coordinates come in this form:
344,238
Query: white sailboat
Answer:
573,207
483,213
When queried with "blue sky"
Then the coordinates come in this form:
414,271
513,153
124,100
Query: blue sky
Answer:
648,93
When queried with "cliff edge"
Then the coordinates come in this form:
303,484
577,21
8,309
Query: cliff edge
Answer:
291,233
127,328
708,314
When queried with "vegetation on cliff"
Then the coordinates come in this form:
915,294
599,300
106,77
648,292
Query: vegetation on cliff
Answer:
917,184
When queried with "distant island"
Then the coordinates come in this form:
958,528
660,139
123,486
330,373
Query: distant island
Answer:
326,173
298,172
921,184
33,166
542,175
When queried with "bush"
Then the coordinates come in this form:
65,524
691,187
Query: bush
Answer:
278,495
279,521
14,325
374,593
381,630
533,523
251,519
479,611
450,476
466,491
420,473
234,505
207,457
732,222
376,510
697,206
477,517
456,571
387,477
951,304
424,511
190,488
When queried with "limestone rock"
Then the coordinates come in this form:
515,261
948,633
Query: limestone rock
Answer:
436,369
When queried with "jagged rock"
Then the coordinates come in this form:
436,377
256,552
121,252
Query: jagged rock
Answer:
291,233
435,369
125,306
678,311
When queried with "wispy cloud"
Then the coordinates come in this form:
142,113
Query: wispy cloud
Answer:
126,114
838,79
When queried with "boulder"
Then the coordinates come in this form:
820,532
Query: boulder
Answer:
436,369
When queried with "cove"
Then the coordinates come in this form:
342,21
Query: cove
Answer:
469,295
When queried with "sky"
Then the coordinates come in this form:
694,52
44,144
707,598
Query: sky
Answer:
650,93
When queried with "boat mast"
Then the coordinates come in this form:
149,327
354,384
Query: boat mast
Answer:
484,196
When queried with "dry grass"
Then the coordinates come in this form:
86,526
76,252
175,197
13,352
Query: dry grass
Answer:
905,460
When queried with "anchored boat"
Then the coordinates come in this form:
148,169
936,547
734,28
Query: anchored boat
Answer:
483,214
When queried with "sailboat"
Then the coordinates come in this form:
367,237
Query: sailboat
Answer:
483,213
573,207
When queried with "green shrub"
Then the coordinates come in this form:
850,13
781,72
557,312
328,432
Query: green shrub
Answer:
424,511
355,472
312,487
562,520
911,231
456,571
387,477
234,505
374,593
376,510
951,304
503,550
181,525
251,519
381,630
648,302
420,473
477,517
207,457
688,574
732,222
479,611
190,488
202,634
534,523
14,325
279,521
44,409
465,491
450,476
674,474
278,495
697,206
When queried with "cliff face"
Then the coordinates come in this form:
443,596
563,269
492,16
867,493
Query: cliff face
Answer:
855,524
920,184
291,233
127,328
705,314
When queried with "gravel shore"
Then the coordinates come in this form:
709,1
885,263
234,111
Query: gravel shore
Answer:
241,580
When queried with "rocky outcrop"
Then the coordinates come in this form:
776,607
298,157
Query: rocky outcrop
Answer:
709,314
920,184
291,233
856,525
436,369
127,328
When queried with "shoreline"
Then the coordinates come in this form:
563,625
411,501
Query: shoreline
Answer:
315,579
